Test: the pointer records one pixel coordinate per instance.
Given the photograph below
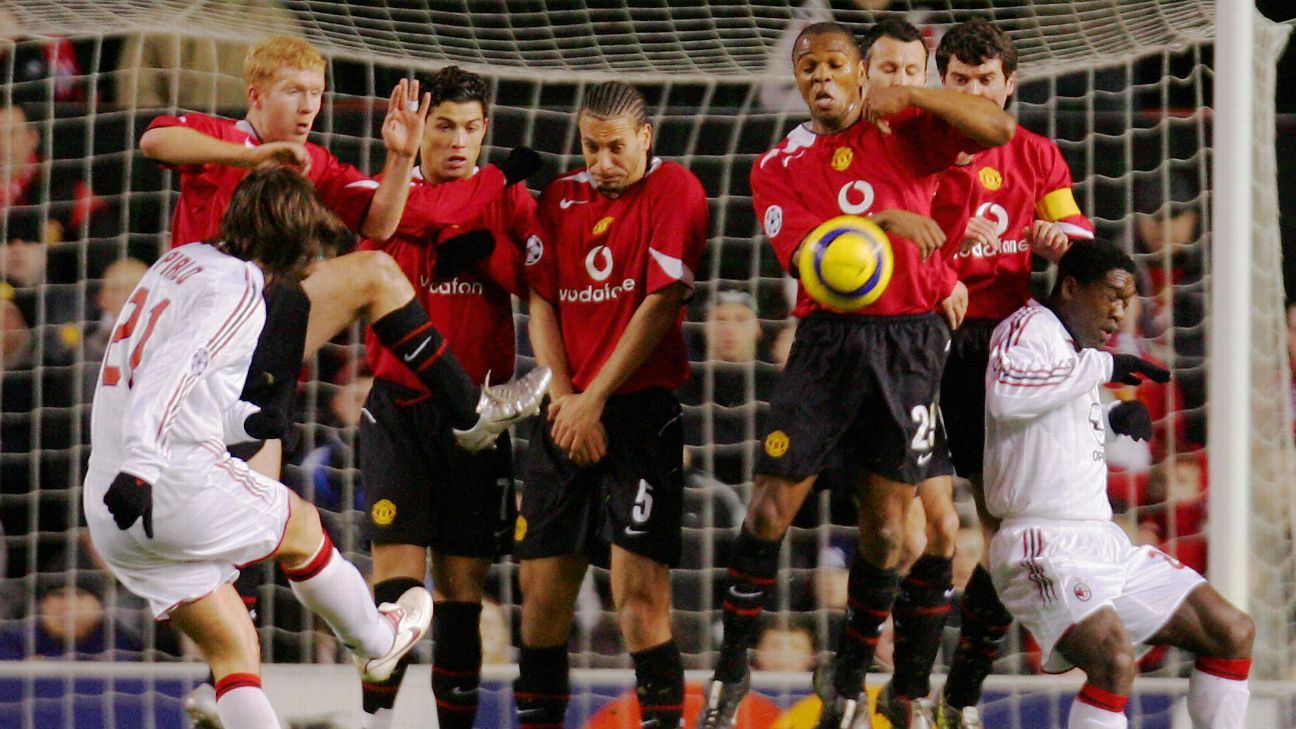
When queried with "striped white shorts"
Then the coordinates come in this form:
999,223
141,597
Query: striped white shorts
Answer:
1053,574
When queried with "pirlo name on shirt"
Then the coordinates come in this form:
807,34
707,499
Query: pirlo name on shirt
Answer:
179,267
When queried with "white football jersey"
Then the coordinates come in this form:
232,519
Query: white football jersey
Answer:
1046,431
179,353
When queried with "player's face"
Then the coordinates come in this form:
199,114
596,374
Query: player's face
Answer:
283,109
18,140
893,62
452,141
1097,310
616,151
733,331
986,80
827,68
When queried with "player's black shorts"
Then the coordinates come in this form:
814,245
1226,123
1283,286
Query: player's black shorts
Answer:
963,394
860,392
633,498
420,488
277,360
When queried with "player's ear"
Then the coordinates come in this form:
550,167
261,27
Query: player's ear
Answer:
1012,84
253,96
646,135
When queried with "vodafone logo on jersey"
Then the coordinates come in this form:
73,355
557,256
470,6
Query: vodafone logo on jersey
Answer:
855,197
598,263
452,287
995,213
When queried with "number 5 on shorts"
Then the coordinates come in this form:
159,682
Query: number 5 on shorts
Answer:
643,503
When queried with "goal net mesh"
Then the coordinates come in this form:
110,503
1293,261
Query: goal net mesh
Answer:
1123,87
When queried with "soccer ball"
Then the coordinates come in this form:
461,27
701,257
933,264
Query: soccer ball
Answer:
846,263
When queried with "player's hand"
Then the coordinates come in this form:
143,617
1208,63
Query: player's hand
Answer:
1130,369
922,231
402,129
593,450
457,254
130,498
1131,418
265,424
954,307
577,424
283,154
520,164
885,101
980,232
1047,239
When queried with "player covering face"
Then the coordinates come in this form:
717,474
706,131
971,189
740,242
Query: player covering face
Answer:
175,515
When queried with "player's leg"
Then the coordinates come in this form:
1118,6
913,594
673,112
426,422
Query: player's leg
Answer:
219,625
456,637
924,601
983,626
372,284
1100,646
645,487
813,404
641,593
1221,637
396,569
332,588
549,589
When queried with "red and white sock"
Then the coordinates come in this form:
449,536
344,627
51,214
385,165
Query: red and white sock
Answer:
333,589
240,702
1218,693
1095,708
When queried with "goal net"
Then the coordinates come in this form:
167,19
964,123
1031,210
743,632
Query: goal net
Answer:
1122,86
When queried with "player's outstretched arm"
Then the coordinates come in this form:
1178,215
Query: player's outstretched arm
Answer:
978,119
182,146
402,131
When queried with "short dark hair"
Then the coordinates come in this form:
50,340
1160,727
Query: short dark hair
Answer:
276,219
901,30
1090,261
975,42
827,27
456,85
614,98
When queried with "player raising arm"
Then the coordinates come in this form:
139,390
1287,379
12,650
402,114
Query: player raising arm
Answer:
285,81
1060,564
860,389
421,491
173,514
608,285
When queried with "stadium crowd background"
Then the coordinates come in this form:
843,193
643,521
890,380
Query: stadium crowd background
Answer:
78,231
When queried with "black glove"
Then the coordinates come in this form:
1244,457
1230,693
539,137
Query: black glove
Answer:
520,164
265,424
458,254
1131,418
128,498
1126,369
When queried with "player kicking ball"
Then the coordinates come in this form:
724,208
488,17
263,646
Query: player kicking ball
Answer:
1059,563
173,514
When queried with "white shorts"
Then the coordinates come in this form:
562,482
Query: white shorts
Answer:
210,518
1051,575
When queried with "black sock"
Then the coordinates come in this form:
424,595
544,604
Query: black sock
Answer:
408,334
456,662
659,680
382,696
541,687
871,591
985,623
752,570
920,612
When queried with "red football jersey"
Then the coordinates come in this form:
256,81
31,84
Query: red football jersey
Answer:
809,178
601,258
1013,185
473,310
205,190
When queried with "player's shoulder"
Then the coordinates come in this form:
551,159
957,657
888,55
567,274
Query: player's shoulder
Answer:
1032,321
206,261
791,147
665,176
1033,145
